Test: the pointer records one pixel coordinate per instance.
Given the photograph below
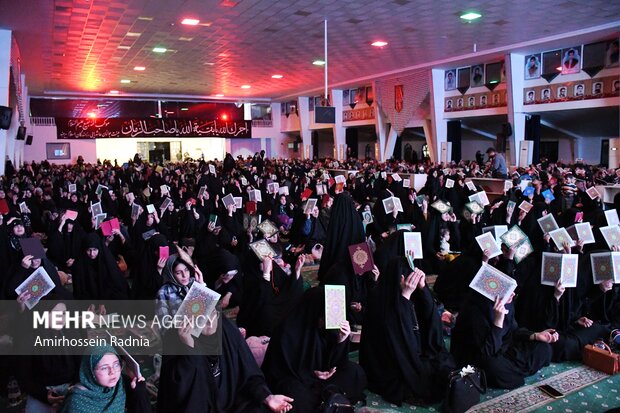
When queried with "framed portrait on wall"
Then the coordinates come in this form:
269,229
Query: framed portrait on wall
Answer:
579,90
449,104
611,55
495,99
571,60
450,80
462,78
459,103
311,103
616,86
477,76
597,88
545,94
532,66
503,72
483,100
345,97
530,96
562,92
471,102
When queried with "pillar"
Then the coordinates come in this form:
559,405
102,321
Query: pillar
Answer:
340,132
515,67
5,74
439,126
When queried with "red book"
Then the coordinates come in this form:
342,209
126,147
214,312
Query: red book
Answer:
361,258
306,194
108,226
4,207
250,207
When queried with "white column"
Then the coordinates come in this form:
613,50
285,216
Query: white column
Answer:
390,143
381,127
5,73
303,108
515,68
439,125
340,132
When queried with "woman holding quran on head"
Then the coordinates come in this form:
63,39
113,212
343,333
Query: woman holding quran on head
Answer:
307,357
486,333
402,348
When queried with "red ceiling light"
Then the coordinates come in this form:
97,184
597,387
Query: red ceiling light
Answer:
379,43
190,22
224,116
277,76
139,68
91,115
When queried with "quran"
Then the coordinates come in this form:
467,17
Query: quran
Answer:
560,236
413,243
547,223
361,258
199,302
335,306
605,266
262,249
487,242
559,267
38,284
611,234
492,283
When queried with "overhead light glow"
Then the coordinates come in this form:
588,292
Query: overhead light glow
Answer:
160,49
277,76
472,15
91,115
219,95
493,82
245,86
318,62
139,68
184,109
224,116
190,22
133,34
114,92
379,43
559,68
125,81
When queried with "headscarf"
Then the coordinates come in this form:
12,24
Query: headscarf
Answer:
89,396
345,229
169,278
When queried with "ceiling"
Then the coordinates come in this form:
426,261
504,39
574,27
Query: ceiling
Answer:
90,45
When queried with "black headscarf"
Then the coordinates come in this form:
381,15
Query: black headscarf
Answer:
345,229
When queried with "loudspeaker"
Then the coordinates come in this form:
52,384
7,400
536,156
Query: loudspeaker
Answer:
525,153
507,129
454,136
532,133
614,153
21,133
29,140
6,114
324,114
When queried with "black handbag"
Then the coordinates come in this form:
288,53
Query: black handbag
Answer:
464,391
334,401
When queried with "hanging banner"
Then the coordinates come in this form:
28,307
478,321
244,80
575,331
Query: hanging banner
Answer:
398,98
80,128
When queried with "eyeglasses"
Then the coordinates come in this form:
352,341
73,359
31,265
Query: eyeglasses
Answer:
116,367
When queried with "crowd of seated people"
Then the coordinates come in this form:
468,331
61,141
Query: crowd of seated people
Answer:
178,228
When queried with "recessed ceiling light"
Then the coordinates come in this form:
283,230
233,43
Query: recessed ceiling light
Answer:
472,15
125,81
277,76
91,115
245,86
318,62
379,43
145,18
160,49
190,22
124,47
209,63
114,92
186,39
493,82
139,68
559,68
133,34
184,109
222,55
219,95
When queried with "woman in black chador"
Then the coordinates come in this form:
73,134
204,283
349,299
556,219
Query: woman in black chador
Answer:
402,348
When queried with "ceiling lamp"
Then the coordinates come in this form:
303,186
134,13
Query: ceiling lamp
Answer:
318,62
469,16
139,68
277,76
245,86
379,43
190,22
160,50
125,81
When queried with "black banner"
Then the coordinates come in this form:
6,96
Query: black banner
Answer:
81,128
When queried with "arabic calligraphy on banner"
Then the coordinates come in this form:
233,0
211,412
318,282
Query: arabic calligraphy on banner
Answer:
79,128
